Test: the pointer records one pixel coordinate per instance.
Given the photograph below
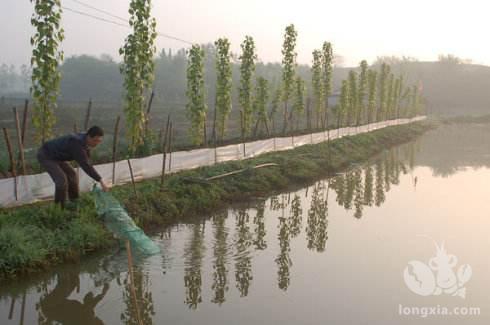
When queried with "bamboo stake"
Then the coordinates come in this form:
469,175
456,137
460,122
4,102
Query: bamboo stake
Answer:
75,130
114,149
148,109
164,149
132,177
19,141
87,115
23,308
170,140
131,279
214,124
12,161
240,171
24,120
11,311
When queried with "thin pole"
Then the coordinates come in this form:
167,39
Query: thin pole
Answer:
11,311
148,109
19,141
75,130
114,149
12,161
22,308
132,177
24,120
164,149
131,279
171,137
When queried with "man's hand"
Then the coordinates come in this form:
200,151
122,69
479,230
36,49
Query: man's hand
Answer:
104,186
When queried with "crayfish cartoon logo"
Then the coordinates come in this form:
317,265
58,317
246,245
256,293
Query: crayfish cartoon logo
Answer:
438,276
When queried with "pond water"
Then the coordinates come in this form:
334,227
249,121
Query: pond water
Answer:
401,239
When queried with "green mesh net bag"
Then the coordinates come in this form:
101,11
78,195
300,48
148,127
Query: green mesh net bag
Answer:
117,220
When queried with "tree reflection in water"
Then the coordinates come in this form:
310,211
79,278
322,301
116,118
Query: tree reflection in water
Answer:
220,250
243,259
193,255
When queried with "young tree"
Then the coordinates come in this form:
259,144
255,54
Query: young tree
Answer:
138,68
260,103
353,105
344,103
196,99
317,84
383,91
45,61
276,101
299,99
247,69
390,96
327,72
288,69
396,96
407,100
415,107
362,89
372,82
223,85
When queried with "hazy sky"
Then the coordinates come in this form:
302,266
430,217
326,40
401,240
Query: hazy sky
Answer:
358,29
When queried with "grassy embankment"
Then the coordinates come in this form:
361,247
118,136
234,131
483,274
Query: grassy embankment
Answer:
36,236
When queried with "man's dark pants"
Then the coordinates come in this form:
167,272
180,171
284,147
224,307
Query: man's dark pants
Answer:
64,177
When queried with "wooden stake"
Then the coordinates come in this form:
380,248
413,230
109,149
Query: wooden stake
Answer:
12,161
131,279
214,123
148,109
75,130
132,177
11,311
87,115
24,120
171,137
240,171
19,141
114,150
164,149
22,309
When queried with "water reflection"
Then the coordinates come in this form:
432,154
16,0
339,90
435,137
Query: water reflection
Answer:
316,224
220,251
243,258
141,309
235,239
452,148
193,256
73,311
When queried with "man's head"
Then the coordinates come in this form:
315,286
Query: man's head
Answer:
94,136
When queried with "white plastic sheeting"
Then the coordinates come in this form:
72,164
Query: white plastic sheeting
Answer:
32,188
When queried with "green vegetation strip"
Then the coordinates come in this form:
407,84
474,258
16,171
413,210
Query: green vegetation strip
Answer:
36,236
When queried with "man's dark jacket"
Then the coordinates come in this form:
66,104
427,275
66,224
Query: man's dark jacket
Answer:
71,147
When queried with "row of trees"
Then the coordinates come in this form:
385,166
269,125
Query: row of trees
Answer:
365,96
371,96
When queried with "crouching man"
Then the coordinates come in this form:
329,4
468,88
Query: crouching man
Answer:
55,155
